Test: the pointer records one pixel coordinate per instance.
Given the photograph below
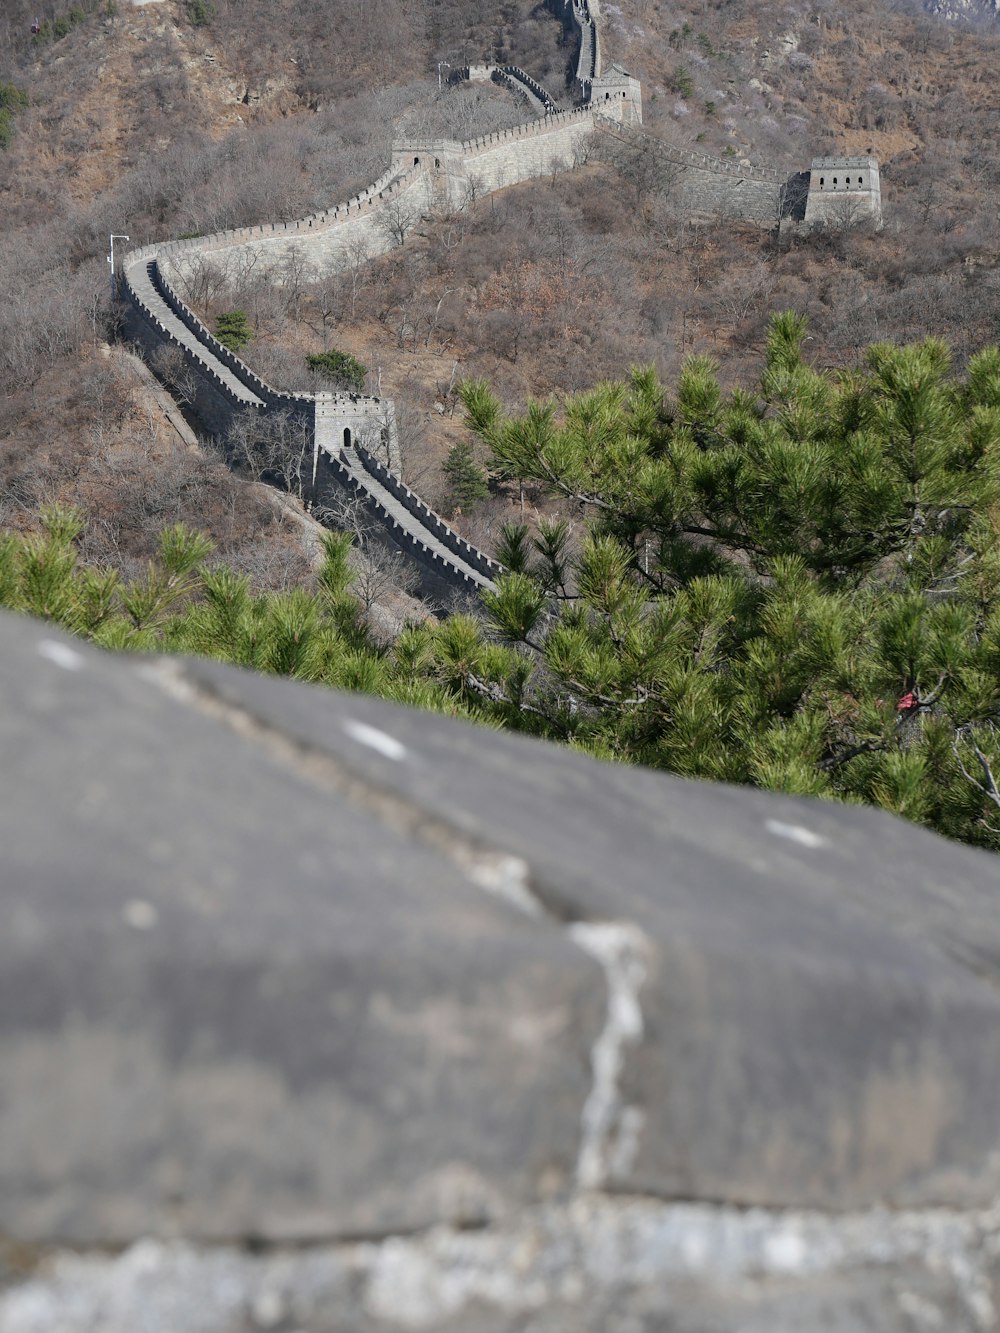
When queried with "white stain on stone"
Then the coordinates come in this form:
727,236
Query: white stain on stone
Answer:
139,914
610,1129
785,1252
409,1288
61,654
505,877
374,739
417,1286
794,833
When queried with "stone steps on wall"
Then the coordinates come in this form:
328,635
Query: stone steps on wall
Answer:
516,78
140,278
457,545
382,499
409,528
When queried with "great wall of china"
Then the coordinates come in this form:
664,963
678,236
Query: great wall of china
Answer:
347,430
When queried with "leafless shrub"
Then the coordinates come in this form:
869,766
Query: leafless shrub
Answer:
274,447
379,574
173,369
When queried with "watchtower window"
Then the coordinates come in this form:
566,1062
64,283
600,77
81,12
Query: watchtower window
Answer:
861,180
822,181
835,180
347,437
437,161
416,161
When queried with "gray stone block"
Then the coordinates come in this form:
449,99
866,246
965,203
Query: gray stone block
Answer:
396,1023
233,1003
820,1009
280,962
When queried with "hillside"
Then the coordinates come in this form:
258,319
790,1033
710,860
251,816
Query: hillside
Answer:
149,121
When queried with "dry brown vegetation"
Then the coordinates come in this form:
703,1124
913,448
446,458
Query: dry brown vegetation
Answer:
141,122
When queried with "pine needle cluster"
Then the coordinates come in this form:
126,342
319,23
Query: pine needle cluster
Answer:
795,587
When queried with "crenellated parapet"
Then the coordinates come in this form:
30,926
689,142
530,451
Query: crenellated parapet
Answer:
355,440
618,95
844,191
343,426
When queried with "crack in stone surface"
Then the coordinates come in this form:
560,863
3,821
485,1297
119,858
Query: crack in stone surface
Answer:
490,868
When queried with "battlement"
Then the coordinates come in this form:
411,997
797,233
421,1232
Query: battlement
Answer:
425,175
844,191
617,94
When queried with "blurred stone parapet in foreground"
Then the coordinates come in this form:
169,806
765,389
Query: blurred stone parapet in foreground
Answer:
323,1014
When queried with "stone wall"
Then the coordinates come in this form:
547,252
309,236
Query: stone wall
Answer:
438,577
362,226
428,519
156,318
706,187
331,1015
576,15
422,176
223,387
274,401
351,420
521,82
706,193
556,143
844,191
213,403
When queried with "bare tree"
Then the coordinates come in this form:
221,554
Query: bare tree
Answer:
380,571
325,299
985,782
741,292
843,212
345,511
173,369
397,219
379,574
645,170
202,280
359,254
292,275
276,448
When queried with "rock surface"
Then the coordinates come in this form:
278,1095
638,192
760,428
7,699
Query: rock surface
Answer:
303,986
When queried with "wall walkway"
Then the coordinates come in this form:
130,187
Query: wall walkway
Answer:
446,563
349,429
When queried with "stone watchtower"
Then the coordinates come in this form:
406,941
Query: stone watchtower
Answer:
617,94
844,191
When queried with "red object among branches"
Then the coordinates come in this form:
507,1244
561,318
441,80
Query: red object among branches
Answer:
907,703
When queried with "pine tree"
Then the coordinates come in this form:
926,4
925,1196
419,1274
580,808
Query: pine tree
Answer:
466,479
232,328
340,368
200,13
794,585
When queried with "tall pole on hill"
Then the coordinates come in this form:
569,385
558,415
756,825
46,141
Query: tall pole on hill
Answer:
115,236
